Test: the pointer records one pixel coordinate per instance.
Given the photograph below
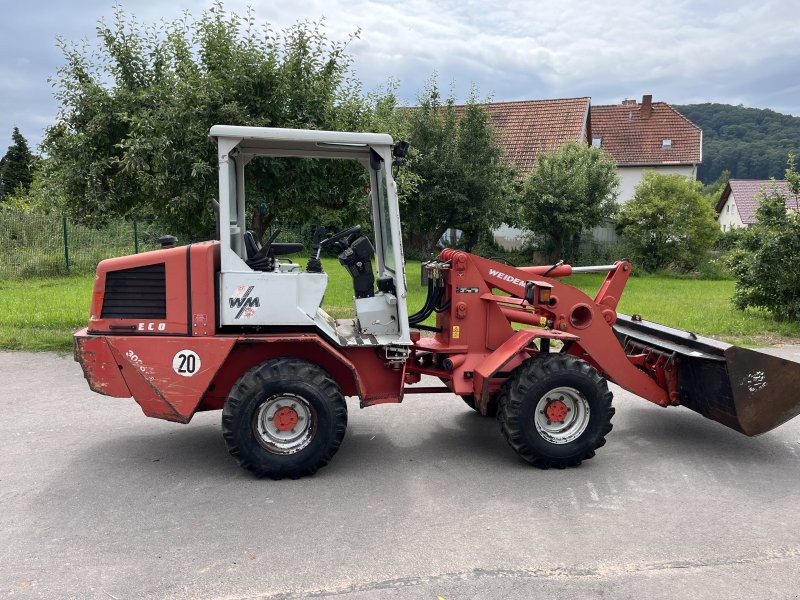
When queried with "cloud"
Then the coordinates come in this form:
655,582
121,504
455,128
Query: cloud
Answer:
680,51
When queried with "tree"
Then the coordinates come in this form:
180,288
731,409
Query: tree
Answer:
713,191
750,142
567,192
132,135
455,175
766,257
16,167
668,222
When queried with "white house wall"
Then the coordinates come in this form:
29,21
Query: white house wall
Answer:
629,177
729,217
511,238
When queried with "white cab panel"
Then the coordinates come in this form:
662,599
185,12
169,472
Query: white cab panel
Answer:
257,298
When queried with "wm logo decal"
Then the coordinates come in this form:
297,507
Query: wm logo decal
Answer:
247,306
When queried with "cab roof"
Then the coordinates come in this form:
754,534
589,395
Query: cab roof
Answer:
266,140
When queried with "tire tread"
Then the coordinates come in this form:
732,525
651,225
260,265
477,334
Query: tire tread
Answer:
513,394
282,369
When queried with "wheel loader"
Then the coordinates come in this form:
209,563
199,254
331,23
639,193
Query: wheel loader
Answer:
236,324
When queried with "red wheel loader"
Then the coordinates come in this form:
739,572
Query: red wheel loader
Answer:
232,324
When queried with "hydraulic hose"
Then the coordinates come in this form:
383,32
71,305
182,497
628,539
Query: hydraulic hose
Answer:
417,316
432,301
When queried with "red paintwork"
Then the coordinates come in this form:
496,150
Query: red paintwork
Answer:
285,418
559,271
204,261
478,324
472,353
99,365
556,411
145,365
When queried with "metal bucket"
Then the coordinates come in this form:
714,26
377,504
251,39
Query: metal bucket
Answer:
746,390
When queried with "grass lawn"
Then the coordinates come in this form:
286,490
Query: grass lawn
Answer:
41,314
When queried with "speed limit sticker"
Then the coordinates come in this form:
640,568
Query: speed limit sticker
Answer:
186,363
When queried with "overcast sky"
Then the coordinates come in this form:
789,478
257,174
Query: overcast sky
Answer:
738,52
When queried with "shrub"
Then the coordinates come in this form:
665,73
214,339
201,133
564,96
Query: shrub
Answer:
668,223
765,261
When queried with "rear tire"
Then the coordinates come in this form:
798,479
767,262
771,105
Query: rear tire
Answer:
555,411
284,418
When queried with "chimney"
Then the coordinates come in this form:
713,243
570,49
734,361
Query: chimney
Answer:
647,106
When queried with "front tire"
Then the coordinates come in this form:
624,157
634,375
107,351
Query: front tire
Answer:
284,418
491,408
555,411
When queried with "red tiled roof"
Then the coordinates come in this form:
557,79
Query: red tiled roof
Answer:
529,127
745,193
632,140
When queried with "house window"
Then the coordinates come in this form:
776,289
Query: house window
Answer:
666,143
597,141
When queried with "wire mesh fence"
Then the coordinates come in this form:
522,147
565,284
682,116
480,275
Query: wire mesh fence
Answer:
41,245
49,245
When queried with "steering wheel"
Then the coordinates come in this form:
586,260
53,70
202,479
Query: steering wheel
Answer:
336,237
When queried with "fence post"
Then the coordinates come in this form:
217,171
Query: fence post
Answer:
66,244
135,237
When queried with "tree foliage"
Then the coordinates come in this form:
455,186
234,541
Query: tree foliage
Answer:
568,191
455,175
668,222
16,167
712,191
766,257
132,134
752,143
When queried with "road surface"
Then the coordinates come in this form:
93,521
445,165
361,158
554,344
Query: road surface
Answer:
424,499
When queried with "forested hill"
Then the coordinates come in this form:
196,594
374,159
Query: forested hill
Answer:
752,143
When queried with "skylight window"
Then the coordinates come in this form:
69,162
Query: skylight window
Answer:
597,141
666,143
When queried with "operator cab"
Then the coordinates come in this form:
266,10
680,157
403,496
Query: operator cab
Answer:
257,287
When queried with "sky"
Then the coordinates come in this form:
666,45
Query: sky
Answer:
736,52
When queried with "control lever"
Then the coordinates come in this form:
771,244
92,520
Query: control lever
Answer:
314,263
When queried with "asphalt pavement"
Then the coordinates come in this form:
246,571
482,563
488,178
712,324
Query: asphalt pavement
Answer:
424,500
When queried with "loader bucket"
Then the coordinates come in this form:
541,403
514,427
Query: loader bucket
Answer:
746,390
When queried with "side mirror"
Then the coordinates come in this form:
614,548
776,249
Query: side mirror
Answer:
399,151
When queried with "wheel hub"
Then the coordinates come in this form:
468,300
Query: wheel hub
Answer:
285,418
556,410
284,423
562,415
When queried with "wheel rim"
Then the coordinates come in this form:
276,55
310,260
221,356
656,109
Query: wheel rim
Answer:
562,415
284,423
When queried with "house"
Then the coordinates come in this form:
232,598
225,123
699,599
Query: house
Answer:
737,205
646,136
637,137
530,127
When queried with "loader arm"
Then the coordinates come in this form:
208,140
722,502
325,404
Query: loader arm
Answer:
749,391
569,310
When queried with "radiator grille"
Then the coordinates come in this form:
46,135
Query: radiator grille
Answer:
139,293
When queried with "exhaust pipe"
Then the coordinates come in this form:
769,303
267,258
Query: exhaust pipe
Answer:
743,389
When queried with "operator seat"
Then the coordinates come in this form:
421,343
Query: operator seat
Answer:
262,258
